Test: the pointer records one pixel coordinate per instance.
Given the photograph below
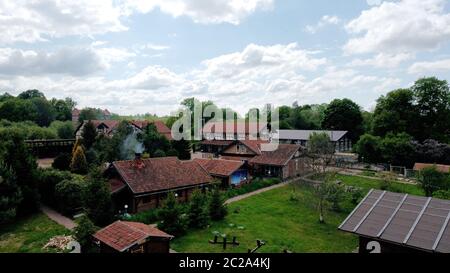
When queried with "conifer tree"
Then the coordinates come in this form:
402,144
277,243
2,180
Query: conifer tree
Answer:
79,163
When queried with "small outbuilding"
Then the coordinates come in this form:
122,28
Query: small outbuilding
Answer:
231,173
389,222
132,237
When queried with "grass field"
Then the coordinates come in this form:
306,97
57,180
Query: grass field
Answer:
278,220
368,184
29,234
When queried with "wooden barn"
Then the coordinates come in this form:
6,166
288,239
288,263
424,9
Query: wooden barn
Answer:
132,237
388,222
142,184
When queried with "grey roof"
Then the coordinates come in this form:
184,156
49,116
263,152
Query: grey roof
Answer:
305,134
408,220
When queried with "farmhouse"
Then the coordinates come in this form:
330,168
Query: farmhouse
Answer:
395,222
338,138
440,168
240,150
142,184
109,127
286,161
229,172
132,237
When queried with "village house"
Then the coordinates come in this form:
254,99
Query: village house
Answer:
109,127
142,184
230,173
340,139
132,237
235,130
389,222
240,150
284,162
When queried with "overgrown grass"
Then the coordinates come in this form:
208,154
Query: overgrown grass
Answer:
282,221
29,234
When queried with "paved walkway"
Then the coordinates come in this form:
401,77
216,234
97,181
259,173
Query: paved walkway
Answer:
247,195
58,218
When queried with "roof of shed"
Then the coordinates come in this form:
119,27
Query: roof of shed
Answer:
277,157
219,167
305,134
412,221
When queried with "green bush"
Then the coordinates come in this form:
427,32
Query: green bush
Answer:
47,181
147,217
69,196
442,194
83,234
62,162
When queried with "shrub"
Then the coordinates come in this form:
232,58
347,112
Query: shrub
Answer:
62,162
69,194
159,153
83,233
146,217
431,180
79,163
441,194
97,199
47,181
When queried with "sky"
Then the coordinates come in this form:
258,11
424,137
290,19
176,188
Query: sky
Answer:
146,56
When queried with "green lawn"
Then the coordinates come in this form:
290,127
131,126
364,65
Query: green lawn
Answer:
367,184
273,217
29,234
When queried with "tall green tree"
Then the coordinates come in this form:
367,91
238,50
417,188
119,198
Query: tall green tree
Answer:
172,218
217,207
97,199
368,148
198,210
433,104
89,134
154,141
395,113
344,115
320,152
31,94
183,149
45,111
83,234
18,110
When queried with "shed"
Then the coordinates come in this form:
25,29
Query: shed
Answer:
400,223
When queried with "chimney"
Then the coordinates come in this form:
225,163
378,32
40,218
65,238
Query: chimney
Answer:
137,156
138,163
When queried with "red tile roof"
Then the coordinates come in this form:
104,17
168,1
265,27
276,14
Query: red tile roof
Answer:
116,185
254,145
440,168
160,174
217,142
219,167
161,127
278,157
122,235
239,127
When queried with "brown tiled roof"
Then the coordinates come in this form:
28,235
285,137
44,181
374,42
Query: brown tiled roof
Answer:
122,235
239,127
116,185
219,167
440,168
217,142
254,145
161,127
408,220
278,157
160,174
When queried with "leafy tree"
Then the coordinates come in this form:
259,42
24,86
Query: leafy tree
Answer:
16,156
47,181
217,208
198,210
31,94
320,152
395,113
344,115
172,218
83,233
97,199
432,151
431,180
368,149
90,114
64,129
63,108
433,105
18,110
10,194
159,153
45,111
442,194
183,149
89,134
69,194
398,149
5,96
79,164
154,141
329,194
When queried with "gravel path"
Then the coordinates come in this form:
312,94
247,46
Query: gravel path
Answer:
58,218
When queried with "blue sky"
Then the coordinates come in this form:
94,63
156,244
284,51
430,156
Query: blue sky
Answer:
136,56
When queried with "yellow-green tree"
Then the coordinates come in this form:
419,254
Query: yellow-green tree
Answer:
79,163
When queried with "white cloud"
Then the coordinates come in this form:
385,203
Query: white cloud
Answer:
155,47
324,21
383,60
427,67
31,21
203,11
406,26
